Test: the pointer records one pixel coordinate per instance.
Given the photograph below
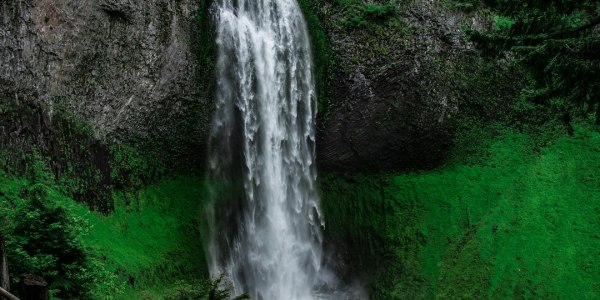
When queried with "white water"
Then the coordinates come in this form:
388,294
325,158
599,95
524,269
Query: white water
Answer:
263,136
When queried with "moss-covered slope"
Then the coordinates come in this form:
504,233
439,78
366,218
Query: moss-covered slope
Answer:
153,239
515,224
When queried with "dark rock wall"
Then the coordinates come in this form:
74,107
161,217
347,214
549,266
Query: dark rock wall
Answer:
124,67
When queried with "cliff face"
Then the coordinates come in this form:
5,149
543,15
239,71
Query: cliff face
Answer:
125,67
140,71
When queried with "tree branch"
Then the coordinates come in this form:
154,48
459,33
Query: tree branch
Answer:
7,295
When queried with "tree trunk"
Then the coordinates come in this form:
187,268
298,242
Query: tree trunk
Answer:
4,280
33,288
567,121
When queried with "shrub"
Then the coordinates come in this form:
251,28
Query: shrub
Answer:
376,12
215,289
43,236
367,14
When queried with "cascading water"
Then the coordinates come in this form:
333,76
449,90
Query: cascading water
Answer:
263,136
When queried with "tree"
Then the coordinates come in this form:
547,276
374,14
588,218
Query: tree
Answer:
558,44
42,235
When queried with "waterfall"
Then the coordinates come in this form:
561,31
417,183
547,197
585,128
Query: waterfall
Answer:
263,137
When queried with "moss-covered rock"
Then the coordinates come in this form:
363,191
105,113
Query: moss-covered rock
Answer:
392,91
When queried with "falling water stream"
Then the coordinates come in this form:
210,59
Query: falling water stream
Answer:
263,137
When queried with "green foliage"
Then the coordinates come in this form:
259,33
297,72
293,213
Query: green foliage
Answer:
356,21
38,170
378,12
466,5
184,290
515,223
132,169
322,56
366,14
44,236
211,289
74,156
153,238
42,240
556,43
220,289
489,98
49,234
503,23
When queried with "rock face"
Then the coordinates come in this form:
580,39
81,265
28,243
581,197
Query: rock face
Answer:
393,93
125,67
133,71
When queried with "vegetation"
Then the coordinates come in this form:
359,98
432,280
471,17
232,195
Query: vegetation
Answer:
509,222
215,289
556,42
322,56
363,15
44,234
149,247
153,236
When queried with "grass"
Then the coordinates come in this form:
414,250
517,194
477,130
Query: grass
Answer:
519,224
152,240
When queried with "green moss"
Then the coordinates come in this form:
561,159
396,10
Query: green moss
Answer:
366,15
519,223
43,236
322,55
131,169
465,5
153,237
150,241
537,241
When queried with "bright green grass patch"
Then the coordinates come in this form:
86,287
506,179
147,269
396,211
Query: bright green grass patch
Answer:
521,223
540,240
153,238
